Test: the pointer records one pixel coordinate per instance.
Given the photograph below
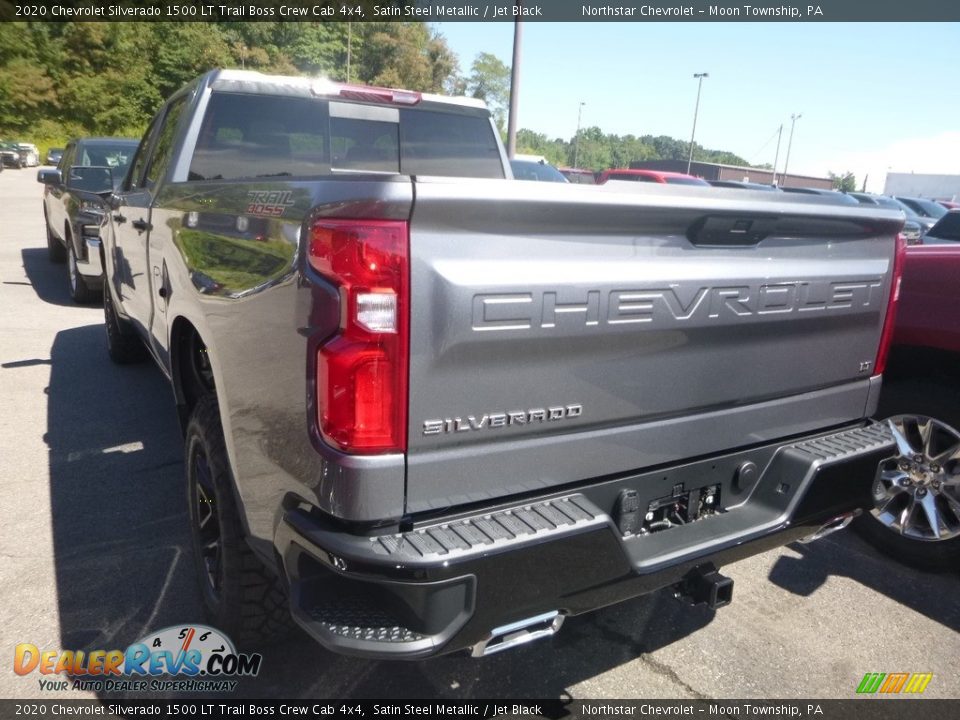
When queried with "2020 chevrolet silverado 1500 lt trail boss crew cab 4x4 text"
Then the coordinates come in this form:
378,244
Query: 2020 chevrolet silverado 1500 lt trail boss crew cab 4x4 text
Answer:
432,409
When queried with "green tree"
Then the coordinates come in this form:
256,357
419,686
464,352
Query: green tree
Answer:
404,54
847,182
489,80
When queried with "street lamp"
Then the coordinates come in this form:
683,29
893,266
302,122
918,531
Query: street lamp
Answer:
699,77
786,163
776,155
576,138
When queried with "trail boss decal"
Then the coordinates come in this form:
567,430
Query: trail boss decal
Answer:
269,202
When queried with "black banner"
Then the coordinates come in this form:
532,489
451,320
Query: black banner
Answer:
484,10
854,709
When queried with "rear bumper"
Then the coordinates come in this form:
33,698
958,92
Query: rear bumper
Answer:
444,585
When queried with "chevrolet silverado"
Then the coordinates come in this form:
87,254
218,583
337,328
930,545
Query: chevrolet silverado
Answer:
427,408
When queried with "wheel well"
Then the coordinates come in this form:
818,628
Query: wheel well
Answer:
190,367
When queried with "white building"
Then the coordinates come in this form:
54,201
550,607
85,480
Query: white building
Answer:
937,187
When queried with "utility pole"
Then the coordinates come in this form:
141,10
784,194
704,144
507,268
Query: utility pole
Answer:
576,138
776,155
514,86
349,47
696,108
786,163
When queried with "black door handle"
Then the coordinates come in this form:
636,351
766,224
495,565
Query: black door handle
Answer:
141,225
119,218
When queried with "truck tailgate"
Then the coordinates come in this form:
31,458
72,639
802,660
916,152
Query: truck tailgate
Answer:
560,333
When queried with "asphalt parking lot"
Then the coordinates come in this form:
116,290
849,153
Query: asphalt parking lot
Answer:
94,551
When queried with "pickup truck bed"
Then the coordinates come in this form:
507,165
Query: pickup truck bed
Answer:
444,412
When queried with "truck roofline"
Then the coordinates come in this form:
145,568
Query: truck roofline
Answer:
258,82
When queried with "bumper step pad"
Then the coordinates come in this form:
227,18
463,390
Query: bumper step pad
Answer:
488,532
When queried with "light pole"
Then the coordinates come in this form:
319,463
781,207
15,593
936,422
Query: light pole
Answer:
514,86
776,155
696,108
786,163
576,138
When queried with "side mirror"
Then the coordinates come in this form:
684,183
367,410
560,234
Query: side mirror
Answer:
49,176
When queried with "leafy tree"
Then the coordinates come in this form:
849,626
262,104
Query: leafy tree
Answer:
61,79
404,54
26,92
489,80
847,182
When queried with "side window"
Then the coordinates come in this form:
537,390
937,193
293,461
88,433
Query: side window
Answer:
135,176
163,151
66,160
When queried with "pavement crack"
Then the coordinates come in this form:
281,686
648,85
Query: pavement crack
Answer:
668,672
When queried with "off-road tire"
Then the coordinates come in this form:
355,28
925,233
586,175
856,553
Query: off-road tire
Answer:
243,597
123,344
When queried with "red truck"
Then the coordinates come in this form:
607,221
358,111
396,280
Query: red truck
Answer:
916,514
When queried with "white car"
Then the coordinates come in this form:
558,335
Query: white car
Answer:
30,154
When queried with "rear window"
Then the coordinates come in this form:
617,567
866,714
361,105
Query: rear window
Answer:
440,143
115,156
256,136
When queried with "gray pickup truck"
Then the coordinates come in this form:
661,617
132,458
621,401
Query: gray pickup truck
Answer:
427,408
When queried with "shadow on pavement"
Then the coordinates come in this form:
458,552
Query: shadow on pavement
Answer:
115,496
123,566
49,279
845,554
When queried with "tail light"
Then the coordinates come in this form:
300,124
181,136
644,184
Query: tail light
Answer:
886,337
362,371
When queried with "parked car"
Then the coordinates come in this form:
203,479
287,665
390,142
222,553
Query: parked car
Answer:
10,155
924,207
743,185
949,204
89,171
915,513
54,155
579,176
913,229
832,195
535,170
430,413
29,154
650,176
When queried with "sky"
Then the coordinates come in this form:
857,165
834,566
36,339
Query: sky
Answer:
872,97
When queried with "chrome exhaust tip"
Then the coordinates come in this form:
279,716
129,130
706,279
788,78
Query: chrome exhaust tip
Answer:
831,526
519,633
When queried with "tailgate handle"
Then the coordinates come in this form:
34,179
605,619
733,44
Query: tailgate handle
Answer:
730,230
